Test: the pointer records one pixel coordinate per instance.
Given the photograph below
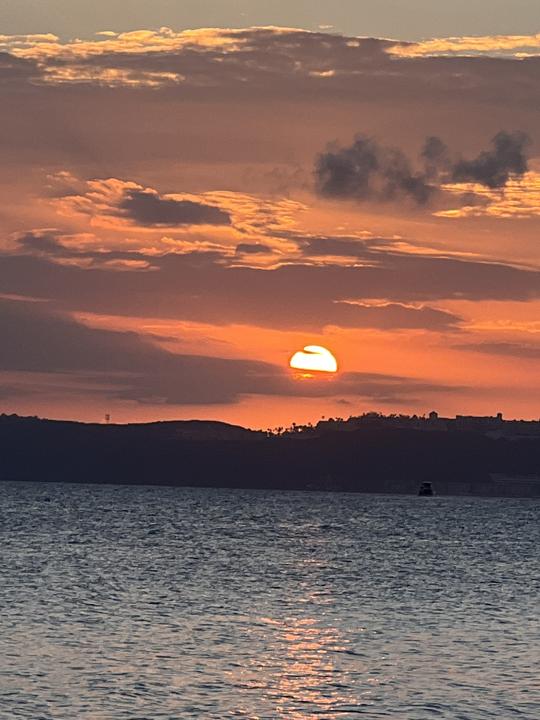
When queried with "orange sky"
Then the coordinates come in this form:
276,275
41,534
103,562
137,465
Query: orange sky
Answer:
181,211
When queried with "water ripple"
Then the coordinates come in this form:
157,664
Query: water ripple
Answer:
139,603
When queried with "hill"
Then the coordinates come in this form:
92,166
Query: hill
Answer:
213,454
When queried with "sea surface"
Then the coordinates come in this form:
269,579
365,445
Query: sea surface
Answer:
132,603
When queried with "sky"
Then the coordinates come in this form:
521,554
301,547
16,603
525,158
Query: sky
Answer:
201,190
403,19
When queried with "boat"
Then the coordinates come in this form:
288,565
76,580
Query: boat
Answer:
426,490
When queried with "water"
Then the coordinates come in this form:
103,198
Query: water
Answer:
160,603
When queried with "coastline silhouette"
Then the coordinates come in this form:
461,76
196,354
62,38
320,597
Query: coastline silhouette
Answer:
371,453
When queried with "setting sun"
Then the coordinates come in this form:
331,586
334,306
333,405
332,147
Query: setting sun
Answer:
314,358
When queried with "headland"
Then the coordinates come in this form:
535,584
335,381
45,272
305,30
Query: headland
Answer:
369,453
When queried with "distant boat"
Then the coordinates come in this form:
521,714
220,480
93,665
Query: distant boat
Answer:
426,490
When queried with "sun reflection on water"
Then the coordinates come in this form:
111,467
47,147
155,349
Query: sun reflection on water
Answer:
309,677
304,677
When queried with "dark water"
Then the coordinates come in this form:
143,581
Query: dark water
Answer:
159,603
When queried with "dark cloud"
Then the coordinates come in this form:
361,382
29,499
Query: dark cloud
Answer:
388,289
505,349
253,249
38,340
204,287
236,59
367,170
320,246
385,388
42,243
46,243
263,62
146,207
493,168
16,70
435,157
200,287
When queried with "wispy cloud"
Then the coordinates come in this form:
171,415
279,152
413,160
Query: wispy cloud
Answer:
500,45
519,199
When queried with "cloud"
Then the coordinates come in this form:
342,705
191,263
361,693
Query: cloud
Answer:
204,287
285,58
11,41
365,248
140,206
387,290
253,249
38,340
435,157
504,349
389,388
502,45
493,168
146,207
367,170
45,243
518,200
15,70
165,57
117,205
124,365
79,251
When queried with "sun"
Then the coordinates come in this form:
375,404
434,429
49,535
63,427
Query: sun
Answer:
314,358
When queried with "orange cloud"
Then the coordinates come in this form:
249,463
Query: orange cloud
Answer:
238,221
513,45
519,199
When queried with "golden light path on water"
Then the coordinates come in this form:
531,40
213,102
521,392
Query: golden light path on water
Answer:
301,677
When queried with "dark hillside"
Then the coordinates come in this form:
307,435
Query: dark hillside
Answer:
197,453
